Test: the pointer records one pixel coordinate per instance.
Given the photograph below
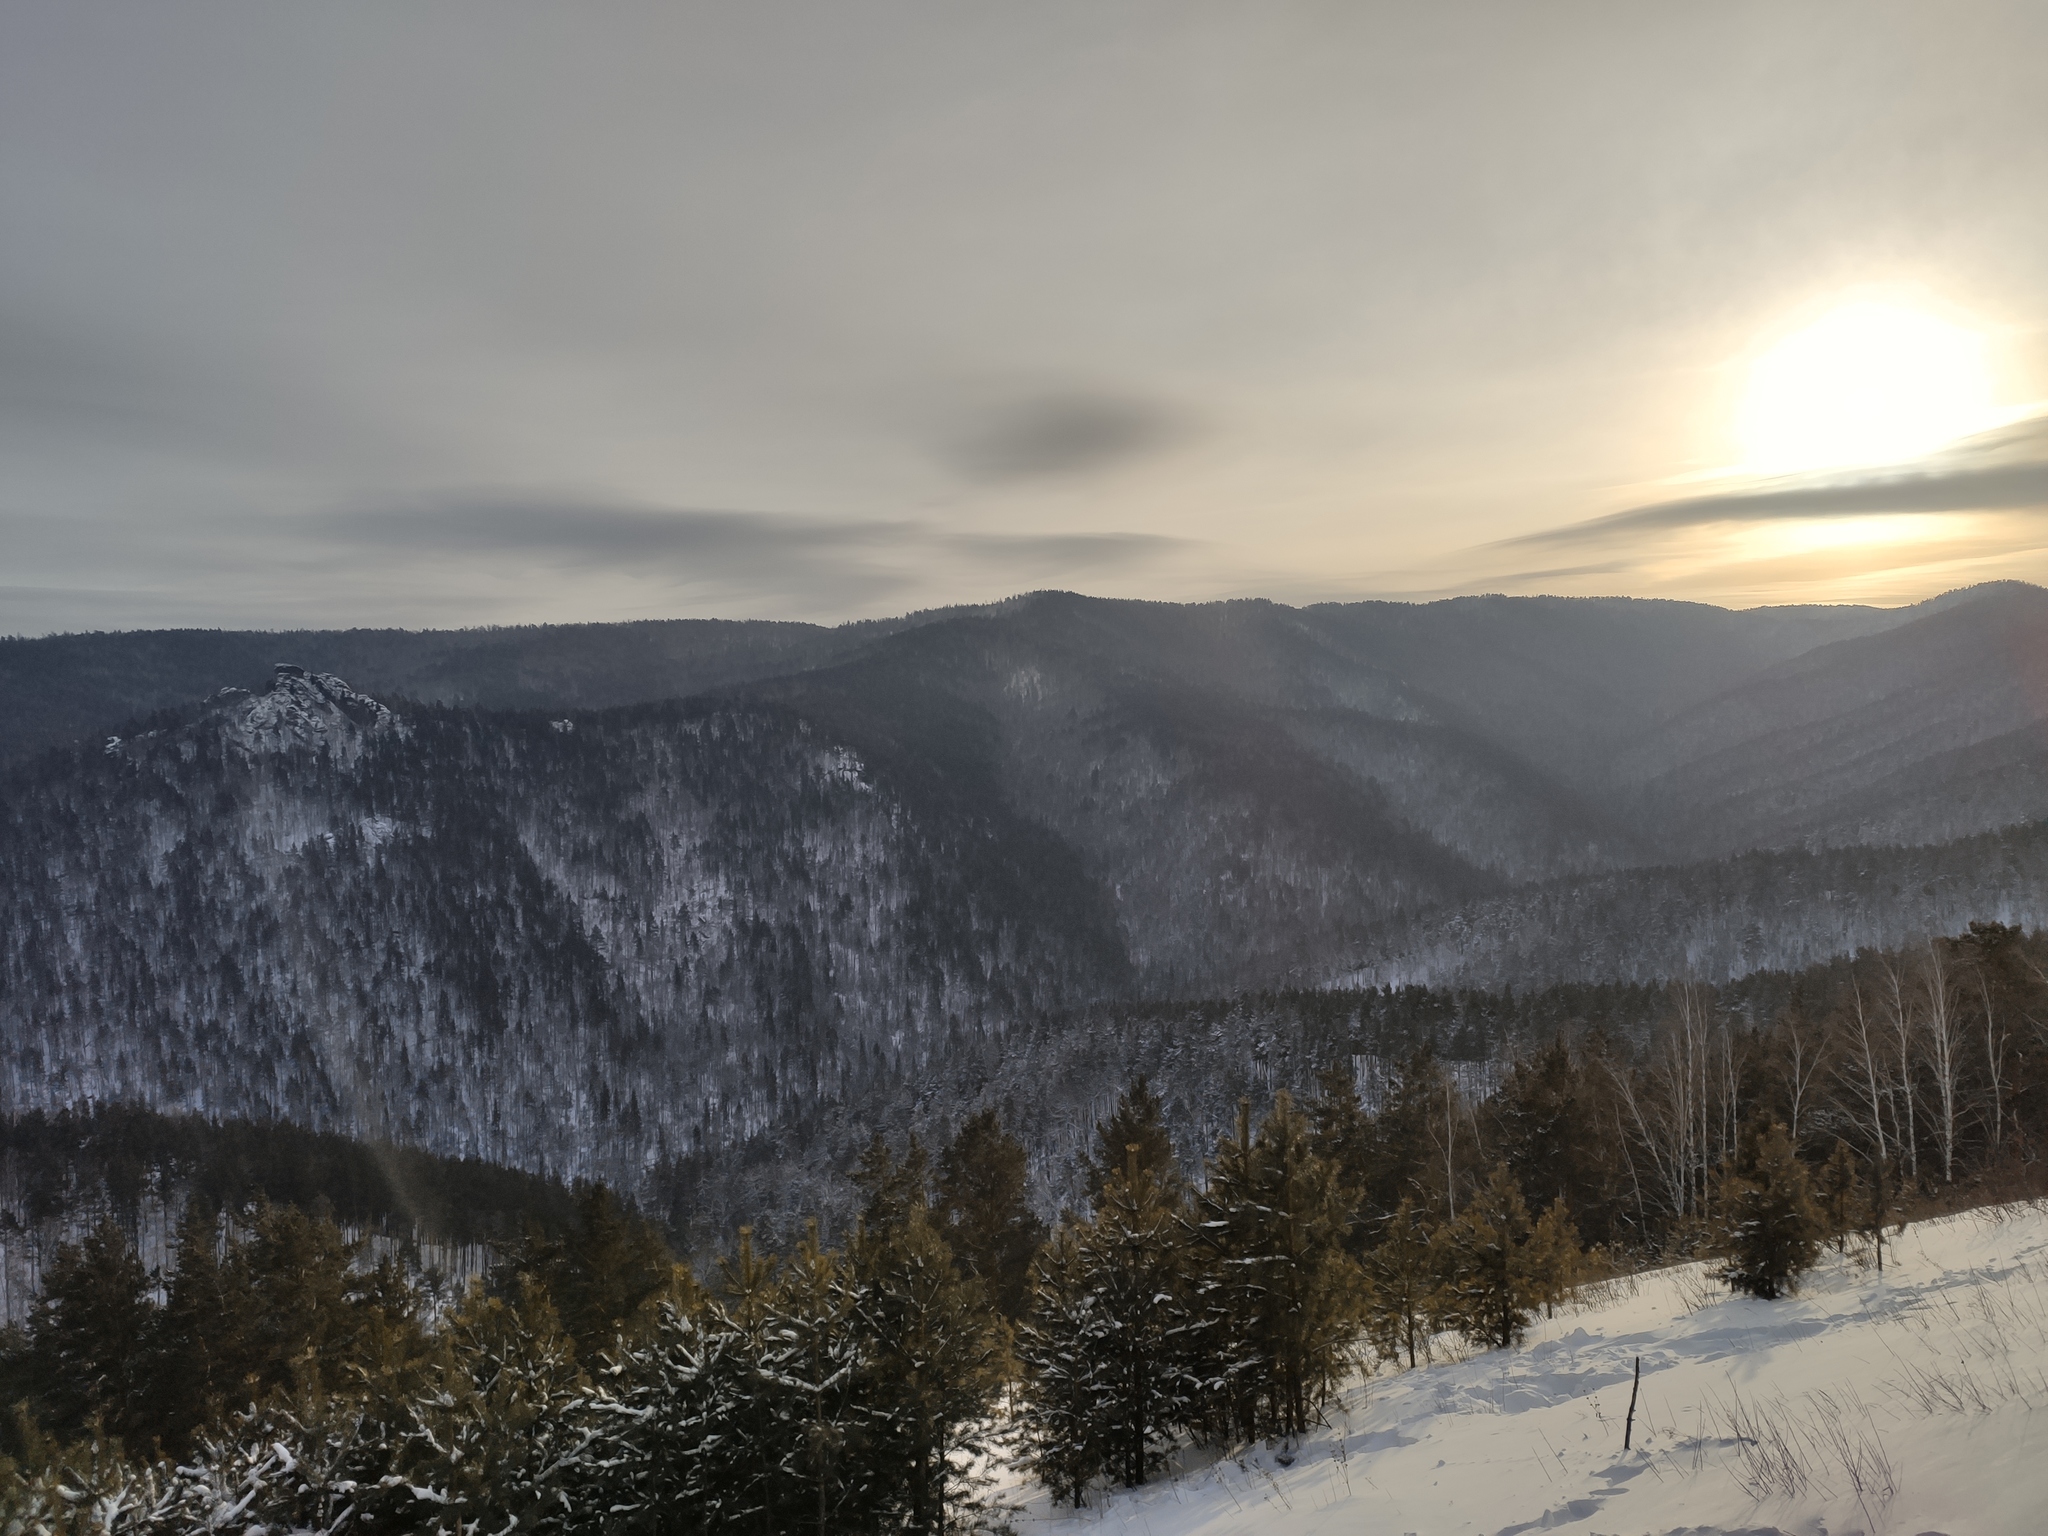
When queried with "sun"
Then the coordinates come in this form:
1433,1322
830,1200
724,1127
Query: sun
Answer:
1868,384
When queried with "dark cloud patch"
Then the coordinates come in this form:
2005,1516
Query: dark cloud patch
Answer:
1051,553
1062,433
1998,472
628,538
815,562
600,535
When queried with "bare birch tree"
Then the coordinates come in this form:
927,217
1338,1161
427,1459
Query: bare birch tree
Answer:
1806,1054
1942,1032
1994,1059
1668,1105
1898,1006
1863,1073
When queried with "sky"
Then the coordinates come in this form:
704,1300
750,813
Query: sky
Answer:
472,313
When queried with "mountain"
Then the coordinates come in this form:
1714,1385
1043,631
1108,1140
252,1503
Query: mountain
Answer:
63,688
1929,729
618,900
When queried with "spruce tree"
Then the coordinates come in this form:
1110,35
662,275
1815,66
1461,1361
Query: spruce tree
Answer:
1769,1232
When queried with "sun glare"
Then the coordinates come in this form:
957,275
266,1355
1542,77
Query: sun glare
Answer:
1869,384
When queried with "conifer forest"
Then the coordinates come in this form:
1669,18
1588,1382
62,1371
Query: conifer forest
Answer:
761,1079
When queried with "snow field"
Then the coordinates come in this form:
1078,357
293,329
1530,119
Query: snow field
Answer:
1894,1404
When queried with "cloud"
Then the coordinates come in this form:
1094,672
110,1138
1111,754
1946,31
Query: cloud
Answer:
599,535
482,556
2002,471
596,534
1066,432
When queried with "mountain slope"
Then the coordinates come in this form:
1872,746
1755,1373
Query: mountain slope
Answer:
573,945
1848,734
1909,1402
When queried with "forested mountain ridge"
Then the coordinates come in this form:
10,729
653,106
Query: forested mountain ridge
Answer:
66,688
582,945
1870,740
621,940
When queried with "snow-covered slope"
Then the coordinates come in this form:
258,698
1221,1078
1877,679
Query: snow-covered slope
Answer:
1896,1405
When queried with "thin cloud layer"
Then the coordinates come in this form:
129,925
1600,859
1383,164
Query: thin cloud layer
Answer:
1175,301
492,558
2004,471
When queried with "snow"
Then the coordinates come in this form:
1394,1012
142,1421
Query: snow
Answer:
1902,1404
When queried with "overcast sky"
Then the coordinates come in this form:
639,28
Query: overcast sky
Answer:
478,313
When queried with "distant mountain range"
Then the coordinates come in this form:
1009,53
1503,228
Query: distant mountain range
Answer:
598,898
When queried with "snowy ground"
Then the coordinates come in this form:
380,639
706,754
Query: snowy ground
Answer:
1902,1405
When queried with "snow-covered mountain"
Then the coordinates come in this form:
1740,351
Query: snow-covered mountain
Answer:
1903,1402
886,865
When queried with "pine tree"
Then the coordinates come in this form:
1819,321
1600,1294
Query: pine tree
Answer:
985,1213
1346,1138
1139,1120
665,1404
893,1191
1062,1414
1134,1252
505,1441
1281,1296
1769,1231
85,1335
1840,1194
189,1356
819,1366
932,1359
1553,1258
1409,1135
1401,1285
599,1274
1486,1286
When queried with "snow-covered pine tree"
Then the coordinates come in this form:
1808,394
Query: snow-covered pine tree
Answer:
1135,1258
507,1439
1061,1408
1280,1300
932,1351
827,1483
665,1455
